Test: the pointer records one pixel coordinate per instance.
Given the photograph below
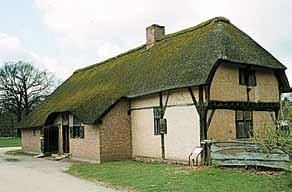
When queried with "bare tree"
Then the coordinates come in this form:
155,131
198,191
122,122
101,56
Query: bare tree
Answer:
22,87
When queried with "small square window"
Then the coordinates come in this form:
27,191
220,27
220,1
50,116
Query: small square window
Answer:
247,77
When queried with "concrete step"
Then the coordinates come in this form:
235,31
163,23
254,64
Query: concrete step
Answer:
58,157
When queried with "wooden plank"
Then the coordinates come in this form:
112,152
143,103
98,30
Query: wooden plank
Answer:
270,164
215,148
245,153
251,156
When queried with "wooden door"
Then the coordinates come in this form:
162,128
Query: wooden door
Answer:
65,138
51,137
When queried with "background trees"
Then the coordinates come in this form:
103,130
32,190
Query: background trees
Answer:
22,88
279,137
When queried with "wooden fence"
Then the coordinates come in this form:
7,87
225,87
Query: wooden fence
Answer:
244,153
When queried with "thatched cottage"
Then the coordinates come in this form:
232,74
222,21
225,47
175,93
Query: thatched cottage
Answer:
159,100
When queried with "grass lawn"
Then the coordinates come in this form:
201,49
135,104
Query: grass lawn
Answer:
10,142
162,177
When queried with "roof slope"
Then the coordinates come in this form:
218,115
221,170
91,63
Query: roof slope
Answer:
182,59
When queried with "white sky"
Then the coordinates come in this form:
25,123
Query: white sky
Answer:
63,35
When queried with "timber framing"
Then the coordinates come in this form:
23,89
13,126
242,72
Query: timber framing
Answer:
240,105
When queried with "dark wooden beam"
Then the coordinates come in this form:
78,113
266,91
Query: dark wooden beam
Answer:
210,118
193,98
162,135
241,105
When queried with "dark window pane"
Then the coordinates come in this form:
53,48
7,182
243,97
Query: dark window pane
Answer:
247,115
244,126
157,115
241,76
251,78
249,128
239,115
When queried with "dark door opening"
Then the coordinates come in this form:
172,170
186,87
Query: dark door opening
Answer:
65,138
51,137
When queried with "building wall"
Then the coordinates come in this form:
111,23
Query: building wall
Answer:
115,133
222,125
263,119
183,128
31,142
145,143
225,85
183,132
87,148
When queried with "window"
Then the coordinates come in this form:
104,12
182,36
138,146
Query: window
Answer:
157,117
76,131
244,124
160,125
247,77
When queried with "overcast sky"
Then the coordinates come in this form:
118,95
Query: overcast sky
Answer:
64,35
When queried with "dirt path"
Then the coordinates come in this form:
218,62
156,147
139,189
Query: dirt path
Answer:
28,174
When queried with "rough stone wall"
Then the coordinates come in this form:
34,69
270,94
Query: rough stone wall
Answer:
88,147
115,133
31,143
225,85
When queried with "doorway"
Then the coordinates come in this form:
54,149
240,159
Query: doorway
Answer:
65,132
51,140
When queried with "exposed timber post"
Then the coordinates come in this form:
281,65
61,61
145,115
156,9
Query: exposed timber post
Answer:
203,114
203,122
162,134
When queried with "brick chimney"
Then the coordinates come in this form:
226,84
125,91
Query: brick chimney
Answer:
154,33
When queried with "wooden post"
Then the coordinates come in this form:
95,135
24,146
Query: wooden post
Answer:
206,155
162,135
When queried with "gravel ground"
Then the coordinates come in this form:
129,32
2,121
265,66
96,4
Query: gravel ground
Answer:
29,174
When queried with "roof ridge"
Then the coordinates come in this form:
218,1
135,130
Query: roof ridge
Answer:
199,26
203,24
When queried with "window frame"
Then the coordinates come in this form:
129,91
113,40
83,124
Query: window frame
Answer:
247,77
245,122
77,129
156,118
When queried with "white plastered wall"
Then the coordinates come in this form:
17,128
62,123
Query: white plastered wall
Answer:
183,128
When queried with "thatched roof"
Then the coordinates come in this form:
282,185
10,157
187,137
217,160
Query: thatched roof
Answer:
181,59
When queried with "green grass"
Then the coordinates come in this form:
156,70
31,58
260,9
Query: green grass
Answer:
10,142
162,177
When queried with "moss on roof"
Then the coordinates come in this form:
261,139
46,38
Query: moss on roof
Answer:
181,59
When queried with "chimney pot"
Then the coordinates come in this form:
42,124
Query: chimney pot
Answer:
154,33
